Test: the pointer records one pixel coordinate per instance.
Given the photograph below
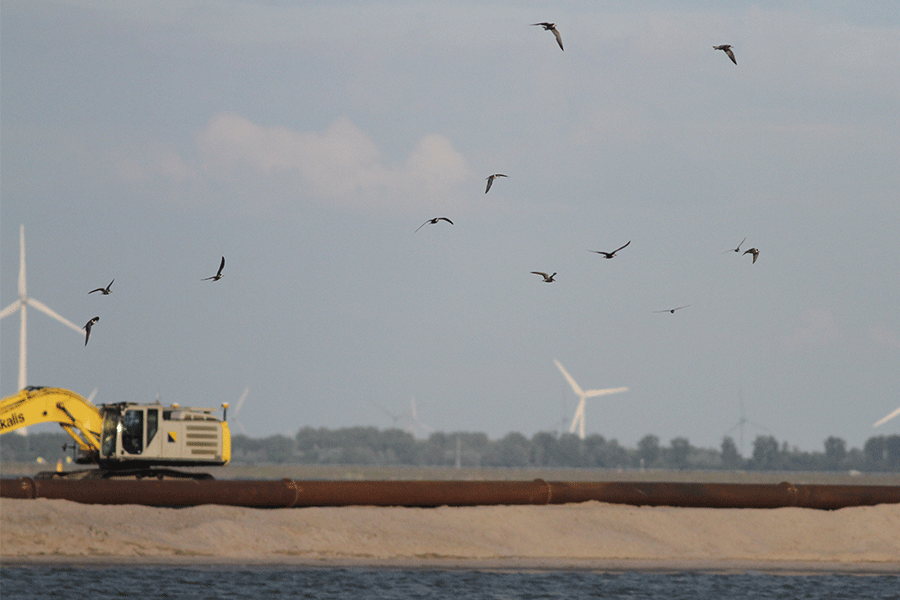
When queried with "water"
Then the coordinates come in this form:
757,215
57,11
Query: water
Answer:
216,582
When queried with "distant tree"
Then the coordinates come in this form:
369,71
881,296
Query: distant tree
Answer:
835,453
765,454
648,449
594,449
731,459
513,450
876,455
438,449
569,451
680,450
543,449
892,449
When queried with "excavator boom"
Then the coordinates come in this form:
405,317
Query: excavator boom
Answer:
78,417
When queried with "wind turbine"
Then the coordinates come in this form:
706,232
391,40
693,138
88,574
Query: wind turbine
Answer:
743,420
887,418
414,423
237,409
578,421
22,305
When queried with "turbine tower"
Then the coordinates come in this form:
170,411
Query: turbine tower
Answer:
578,421
22,305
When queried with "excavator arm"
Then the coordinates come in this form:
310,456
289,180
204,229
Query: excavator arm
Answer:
81,419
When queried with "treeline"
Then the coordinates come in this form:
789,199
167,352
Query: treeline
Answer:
373,446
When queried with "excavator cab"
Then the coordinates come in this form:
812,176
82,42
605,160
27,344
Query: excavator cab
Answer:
137,435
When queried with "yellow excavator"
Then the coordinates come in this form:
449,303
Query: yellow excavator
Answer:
125,439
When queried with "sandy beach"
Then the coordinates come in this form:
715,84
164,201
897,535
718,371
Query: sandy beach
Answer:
588,535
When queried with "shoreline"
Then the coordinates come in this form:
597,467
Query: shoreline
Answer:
727,567
449,564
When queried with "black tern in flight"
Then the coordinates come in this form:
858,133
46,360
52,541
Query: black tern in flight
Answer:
671,310
552,27
726,48
218,274
609,254
738,249
87,329
433,222
547,278
754,252
490,181
106,291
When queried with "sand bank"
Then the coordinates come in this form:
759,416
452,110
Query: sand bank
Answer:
589,535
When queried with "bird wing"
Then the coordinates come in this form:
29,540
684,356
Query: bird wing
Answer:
445,219
97,290
623,247
221,266
559,38
730,55
422,225
490,180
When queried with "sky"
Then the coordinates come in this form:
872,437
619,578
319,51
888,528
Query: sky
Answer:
306,141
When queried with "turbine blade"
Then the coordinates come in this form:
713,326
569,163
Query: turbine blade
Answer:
569,378
241,400
594,393
90,398
579,416
10,309
43,307
887,418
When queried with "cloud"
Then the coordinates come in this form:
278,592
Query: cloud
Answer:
339,165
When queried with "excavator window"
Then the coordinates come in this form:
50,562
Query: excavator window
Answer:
108,437
152,423
133,431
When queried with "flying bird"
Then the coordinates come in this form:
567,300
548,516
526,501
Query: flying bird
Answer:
490,181
87,329
218,274
106,291
671,310
547,278
754,252
552,27
738,249
610,254
433,222
726,48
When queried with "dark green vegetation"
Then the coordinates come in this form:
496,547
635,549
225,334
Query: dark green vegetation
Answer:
371,446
